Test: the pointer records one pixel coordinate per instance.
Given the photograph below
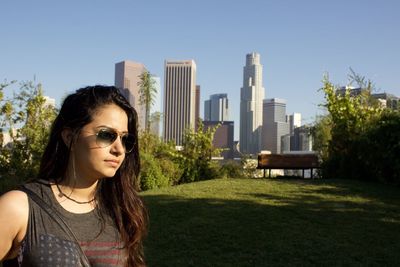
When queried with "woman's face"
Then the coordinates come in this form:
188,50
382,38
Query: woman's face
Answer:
94,159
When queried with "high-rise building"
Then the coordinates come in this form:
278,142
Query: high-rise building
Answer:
303,140
251,105
126,79
294,121
223,136
275,124
197,109
216,108
387,100
179,98
384,99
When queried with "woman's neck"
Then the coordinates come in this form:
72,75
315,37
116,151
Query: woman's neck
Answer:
78,188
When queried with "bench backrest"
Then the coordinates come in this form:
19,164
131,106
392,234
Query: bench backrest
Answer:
288,161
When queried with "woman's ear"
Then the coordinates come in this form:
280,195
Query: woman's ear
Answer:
67,137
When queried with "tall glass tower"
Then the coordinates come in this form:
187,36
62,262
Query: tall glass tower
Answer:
251,105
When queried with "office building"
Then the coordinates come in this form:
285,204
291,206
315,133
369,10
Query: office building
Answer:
223,137
127,77
302,139
275,124
197,109
385,100
251,105
179,99
294,121
216,108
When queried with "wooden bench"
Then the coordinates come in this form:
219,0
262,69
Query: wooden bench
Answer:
288,162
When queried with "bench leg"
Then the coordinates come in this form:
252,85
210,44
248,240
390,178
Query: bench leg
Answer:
269,170
303,173
311,173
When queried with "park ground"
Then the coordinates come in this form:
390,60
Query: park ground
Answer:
274,222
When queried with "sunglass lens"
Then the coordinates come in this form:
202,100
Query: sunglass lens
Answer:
106,137
129,141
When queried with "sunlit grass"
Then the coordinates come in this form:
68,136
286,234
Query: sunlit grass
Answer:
269,222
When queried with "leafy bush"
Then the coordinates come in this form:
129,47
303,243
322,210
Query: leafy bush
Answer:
363,141
170,170
381,147
231,169
250,168
195,158
151,175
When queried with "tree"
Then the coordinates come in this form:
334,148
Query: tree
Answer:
198,149
159,165
27,119
350,117
147,91
321,133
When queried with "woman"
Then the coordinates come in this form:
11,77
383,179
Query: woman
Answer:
84,199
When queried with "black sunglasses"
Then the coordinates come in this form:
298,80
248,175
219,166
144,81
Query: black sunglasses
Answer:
106,137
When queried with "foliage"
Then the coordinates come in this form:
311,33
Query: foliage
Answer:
321,133
231,169
158,166
27,119
250,167
151,175
195,158
358,138
147,92
381,148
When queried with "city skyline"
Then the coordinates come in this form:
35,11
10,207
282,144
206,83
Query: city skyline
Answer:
72,44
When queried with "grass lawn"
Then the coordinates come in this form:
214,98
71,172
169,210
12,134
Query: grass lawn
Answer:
274,222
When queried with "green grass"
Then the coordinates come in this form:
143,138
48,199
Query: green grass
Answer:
274,222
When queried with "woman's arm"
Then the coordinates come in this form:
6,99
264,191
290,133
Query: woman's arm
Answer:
14,212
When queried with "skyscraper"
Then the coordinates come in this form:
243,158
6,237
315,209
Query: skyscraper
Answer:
126,79
302,139
179,98
275,124
223,136
251,105
294,121
216,108
197,109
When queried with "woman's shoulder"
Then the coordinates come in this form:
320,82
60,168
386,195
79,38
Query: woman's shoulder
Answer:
14,203
14,213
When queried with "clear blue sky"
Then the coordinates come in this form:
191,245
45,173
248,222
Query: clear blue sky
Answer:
70,44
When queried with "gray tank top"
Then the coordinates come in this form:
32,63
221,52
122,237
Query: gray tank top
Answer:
46,244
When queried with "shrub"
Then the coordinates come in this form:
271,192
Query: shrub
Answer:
170,170
231,169
364,139
151,175
382,147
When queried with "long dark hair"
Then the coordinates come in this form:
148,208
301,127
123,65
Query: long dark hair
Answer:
116,197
